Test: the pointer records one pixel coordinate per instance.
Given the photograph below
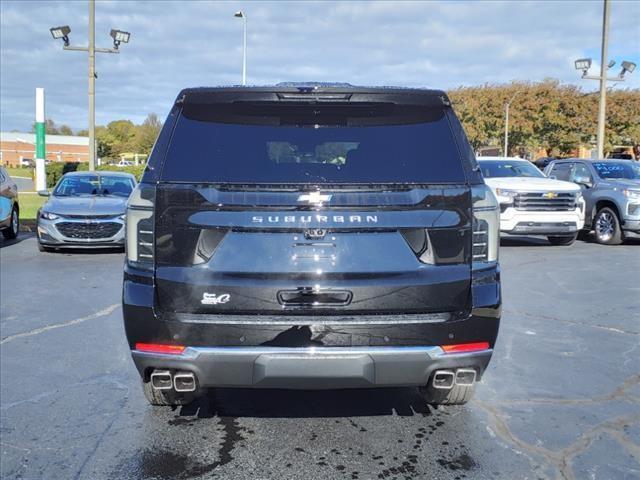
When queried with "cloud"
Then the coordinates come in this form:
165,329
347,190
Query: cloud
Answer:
179,44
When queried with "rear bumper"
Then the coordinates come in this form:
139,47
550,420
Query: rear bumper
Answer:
311,368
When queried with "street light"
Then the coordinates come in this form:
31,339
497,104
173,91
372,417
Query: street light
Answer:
627,67
243,16
506,123
585,63
119,37
61,32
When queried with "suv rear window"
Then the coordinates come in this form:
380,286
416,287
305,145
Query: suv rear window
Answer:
339,144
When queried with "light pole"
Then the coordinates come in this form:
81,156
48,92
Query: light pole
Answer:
585,63
243,16
118,37
506,123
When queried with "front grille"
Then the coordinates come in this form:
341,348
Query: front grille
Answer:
545,201
94,217
88,230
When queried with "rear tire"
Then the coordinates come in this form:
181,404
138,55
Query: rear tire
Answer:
553,240
457,395
607,227
12,230
165,398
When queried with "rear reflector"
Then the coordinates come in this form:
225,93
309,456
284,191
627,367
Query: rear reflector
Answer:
465,347
159,348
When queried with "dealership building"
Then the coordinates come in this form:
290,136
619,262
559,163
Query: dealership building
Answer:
17,148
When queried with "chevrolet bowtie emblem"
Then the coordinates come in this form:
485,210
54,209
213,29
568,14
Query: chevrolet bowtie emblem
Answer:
314,198
550,195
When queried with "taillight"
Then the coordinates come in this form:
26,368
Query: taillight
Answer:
465,347
160,348
486,226
140,227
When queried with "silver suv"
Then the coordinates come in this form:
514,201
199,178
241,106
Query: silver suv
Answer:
611,189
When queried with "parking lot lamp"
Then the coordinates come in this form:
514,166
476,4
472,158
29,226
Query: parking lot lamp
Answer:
118,37
585,63
506,123
243,16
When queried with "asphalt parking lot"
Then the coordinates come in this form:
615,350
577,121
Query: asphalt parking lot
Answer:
561,398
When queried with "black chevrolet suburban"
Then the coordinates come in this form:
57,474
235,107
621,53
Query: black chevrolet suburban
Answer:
311,236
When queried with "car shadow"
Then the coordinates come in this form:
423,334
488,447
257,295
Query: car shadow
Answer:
517,241
275,403
22,236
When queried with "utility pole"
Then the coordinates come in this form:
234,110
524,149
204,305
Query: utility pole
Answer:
506,124
92,85
603,79
119,37
41,154
243,16
585,63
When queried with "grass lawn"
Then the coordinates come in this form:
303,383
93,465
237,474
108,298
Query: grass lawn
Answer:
29,205
20,172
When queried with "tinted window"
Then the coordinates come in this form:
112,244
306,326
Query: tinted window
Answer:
626,170
506,168
561,171
79,185
313,145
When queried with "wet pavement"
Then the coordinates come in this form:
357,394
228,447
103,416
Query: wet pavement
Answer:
560,400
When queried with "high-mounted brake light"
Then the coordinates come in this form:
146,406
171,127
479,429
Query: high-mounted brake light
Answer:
465,347
160,348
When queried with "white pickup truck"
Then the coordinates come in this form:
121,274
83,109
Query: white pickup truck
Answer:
531,203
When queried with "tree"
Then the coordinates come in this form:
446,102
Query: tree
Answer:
50,127
147,133
65,130
545,115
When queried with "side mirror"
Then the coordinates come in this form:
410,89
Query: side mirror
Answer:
44,193
553,177
585,181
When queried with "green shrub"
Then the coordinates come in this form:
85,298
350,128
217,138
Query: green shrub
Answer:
56,170
135,170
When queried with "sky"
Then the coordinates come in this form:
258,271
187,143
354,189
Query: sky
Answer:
199,43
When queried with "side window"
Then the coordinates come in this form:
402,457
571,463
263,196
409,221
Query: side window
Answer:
580,170
562,171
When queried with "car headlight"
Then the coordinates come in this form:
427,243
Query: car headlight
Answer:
631,194
49,216
505,196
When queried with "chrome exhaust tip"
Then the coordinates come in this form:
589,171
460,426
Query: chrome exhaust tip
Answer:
184,382
161,380
443,379
465,376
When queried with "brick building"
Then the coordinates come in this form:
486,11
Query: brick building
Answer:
16,146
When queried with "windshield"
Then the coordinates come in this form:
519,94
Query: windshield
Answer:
608,170
83,185
319,144
505,168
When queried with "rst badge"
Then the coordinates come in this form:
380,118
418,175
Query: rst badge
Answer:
213,299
